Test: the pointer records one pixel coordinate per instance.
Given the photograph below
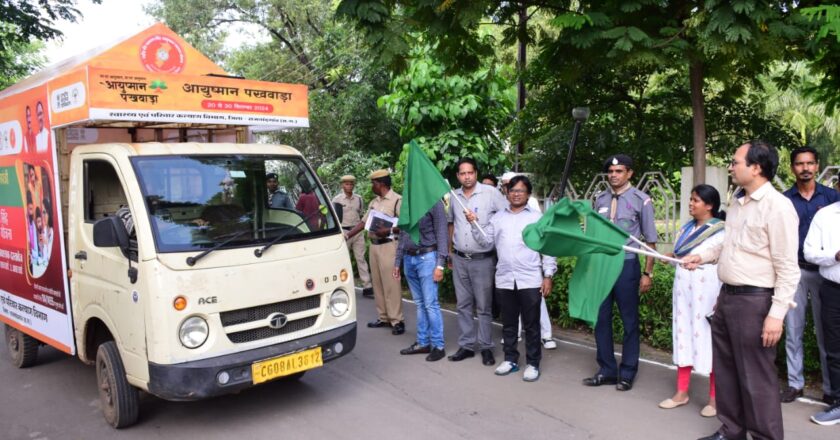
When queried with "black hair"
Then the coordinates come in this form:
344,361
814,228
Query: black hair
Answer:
464,160
520,178
799,150
37,212
29,197
385,180
763,154
492,178
710,196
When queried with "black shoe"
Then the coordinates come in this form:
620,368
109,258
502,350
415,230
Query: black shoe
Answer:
367,291
487,358
436,355
790,394
598,380
416,348
461,354
828,400
399,328
378,323
624,385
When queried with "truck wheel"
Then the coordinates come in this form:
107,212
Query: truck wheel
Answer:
120,400
22,348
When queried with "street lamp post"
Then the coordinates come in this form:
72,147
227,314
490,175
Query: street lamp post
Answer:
580,114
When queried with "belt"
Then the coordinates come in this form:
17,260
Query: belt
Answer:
347,228
746,290
420,251
474,255
831,283
380,240
808,266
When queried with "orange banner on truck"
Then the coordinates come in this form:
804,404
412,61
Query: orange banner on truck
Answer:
140,96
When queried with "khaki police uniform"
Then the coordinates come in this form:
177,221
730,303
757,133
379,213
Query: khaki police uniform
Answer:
387,291
353,210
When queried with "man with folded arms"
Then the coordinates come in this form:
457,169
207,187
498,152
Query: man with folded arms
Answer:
424,270
822,247
757,263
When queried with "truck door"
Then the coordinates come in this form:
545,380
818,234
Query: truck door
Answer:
100,274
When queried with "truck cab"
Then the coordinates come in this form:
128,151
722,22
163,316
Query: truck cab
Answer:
211,268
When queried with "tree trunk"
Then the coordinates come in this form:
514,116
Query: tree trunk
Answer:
698,119
520,87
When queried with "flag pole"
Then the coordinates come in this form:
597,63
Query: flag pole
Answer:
455,196
654,255
580,114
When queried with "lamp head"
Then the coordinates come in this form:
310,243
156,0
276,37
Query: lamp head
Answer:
580,114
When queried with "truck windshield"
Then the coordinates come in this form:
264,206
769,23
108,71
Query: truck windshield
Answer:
197,202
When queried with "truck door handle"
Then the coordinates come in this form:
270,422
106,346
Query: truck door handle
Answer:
81,255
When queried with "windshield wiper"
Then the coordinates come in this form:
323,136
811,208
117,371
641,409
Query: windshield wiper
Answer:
192,260
259,252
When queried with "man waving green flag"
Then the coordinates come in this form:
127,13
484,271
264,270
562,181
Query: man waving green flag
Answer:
424,186
596,242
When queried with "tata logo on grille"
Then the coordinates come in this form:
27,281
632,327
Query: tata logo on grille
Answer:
310,284
277,320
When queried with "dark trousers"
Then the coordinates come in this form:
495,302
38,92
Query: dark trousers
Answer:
525,302
830,297
746,380
625,293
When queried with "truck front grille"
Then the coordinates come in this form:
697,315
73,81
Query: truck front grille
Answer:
268,332
258,313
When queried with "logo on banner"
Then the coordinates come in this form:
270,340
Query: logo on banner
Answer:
160,53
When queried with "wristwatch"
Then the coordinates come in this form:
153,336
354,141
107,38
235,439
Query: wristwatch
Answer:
648,274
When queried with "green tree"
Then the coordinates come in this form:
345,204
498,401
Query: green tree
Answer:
35,19
452,116
18,59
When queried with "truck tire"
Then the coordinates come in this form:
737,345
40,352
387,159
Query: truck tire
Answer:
120,401
23,348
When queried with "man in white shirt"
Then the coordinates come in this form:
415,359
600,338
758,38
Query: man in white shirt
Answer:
822,247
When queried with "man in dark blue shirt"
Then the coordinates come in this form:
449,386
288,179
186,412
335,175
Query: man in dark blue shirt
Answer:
423,263
808,197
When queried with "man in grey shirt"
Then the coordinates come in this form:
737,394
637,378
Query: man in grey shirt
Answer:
424,270
277,198
631,210
473,263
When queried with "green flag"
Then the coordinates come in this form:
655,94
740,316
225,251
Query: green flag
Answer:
423,188
574,229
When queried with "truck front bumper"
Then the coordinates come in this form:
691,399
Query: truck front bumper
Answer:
199,379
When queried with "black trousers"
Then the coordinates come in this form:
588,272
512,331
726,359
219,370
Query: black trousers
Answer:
524,302
830,298
746,380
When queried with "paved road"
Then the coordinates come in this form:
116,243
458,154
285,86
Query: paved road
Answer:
376,393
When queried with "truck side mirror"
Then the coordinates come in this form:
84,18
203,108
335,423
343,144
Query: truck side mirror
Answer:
339,210
110,232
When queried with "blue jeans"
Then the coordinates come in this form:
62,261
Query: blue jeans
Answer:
419,271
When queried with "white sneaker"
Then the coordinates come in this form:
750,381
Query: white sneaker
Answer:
549,343
506,368
531,374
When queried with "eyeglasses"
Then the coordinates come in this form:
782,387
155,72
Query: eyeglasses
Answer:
734,162
517,191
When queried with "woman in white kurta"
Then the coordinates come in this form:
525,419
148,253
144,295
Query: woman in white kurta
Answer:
695,294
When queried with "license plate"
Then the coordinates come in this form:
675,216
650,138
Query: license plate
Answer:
285,365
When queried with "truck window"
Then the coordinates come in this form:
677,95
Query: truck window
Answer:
198,201
104,197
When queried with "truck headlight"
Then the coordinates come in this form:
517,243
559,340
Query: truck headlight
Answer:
339,303
193,332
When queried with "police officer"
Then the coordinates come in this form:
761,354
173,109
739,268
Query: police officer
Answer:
277,198
632,211
387,291
353,207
